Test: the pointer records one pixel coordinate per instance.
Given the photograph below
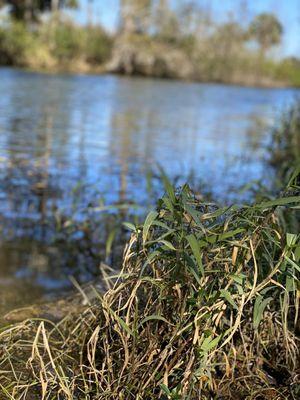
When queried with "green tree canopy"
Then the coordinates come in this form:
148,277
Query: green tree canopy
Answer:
267,30
28,10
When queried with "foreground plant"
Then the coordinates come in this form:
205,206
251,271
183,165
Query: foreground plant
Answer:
206,306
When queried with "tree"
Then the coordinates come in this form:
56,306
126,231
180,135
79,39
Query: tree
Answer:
135,15
171,23
29,10
230,33
161,15
267,30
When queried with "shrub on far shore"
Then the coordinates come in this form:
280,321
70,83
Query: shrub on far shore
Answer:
66,41
16,42
98,45
53,44
289,69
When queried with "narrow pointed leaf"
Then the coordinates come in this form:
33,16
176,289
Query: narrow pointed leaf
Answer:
147,224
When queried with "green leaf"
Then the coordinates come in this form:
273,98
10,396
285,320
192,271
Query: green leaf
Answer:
291,239
195,215
223,236
168,203
124,325
147,224
227,295
167,244
150,258
162,225
219,212
238,278
297,253
168,186
291,262
130,226
196,251
121,322
259,308
165,389
229,234
162,237
209,343
109,241
279,202
294,175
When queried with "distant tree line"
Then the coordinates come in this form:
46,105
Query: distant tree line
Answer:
205,48
191,19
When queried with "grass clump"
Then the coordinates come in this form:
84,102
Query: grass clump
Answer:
285,148
206,306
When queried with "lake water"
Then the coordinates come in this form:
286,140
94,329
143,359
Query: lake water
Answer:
104,134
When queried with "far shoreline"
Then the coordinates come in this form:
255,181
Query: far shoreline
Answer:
102,70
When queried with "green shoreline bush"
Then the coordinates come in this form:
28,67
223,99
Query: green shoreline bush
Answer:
53,44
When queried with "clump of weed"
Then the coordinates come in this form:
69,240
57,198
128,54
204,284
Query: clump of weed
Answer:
285,148
206,305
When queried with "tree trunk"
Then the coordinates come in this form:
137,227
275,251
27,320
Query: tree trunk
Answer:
90,12
28,12
127,18
54,6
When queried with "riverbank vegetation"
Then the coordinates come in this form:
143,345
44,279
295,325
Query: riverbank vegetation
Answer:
206,306
285,144
54,45
153,39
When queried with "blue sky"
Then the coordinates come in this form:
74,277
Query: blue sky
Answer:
288,11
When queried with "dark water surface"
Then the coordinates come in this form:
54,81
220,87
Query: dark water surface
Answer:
103,133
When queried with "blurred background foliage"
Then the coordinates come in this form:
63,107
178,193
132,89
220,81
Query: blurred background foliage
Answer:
153,38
